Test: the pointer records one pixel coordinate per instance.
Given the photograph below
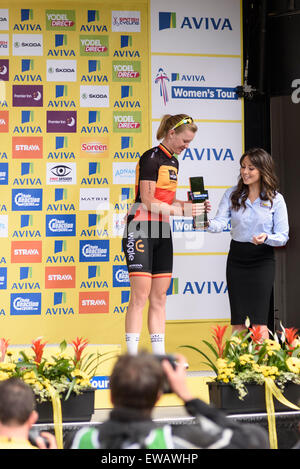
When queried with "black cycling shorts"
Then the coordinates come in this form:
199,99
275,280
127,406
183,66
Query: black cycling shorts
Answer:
148,248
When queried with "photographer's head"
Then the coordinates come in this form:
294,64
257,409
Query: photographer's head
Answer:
136,381
17,403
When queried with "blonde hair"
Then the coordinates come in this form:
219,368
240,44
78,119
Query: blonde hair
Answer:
168,122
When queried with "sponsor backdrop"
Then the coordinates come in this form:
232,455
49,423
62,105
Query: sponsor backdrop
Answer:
82,90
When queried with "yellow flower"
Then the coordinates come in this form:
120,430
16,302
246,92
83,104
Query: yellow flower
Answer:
293,364
272,344
29,375
235,340
7,366
4,375
246,358
221,363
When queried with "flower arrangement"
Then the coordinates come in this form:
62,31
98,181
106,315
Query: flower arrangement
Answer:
245,357
65,372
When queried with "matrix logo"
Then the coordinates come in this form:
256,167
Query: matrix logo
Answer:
167,20
173,288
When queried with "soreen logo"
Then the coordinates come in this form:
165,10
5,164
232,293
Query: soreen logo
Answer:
25,304
93,302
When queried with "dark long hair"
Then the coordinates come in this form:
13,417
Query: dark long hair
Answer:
268,180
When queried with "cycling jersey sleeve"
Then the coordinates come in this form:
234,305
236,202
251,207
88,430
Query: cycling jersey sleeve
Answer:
148,167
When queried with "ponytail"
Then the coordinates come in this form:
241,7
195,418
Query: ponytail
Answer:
168,122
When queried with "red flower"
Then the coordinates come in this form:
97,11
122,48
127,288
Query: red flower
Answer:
3,348
257,334
38,348
219,332
79,345
291,335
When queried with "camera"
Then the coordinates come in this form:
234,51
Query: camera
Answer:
34,434
172,360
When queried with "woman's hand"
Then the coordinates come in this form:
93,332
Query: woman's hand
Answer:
259,239
197,209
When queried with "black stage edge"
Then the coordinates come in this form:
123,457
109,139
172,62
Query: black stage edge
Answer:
287,426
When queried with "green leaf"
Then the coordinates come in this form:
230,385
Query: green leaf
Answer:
210,362
63,345
211,347
70,389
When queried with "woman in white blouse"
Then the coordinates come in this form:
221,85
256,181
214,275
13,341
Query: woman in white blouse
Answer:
259,222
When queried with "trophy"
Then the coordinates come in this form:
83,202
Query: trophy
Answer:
198,195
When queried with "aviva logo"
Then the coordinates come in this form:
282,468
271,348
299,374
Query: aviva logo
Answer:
173,288
167,20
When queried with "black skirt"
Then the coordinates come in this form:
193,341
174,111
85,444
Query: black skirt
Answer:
250,276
